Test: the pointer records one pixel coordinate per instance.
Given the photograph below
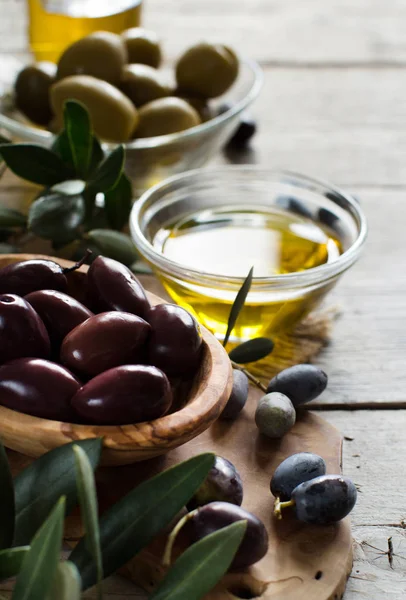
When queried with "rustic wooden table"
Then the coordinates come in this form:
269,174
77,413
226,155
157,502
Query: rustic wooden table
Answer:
332,107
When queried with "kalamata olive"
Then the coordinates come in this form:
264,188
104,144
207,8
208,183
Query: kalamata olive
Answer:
206,70
164,116
114,117
59,312
223,483
124,395
324,500
238,396
27,276
142,84
301,383
112,286
243,134
39,388
143,46
294,470
275,415
175,342
101,54
216,515
103,342
22,333
31,91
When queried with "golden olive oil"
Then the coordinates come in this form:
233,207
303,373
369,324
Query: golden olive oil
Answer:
55,24
227,242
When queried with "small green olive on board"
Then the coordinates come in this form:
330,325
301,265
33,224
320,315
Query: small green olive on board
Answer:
164,116
143,46
142,84
206,70
113,115
31,91
101,54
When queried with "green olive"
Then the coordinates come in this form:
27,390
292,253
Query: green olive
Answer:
142,84
32,92
166,115
143,46
206,70
114,117
101,54
201,106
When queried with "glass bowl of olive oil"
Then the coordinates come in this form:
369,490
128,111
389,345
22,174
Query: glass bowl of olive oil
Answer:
202,231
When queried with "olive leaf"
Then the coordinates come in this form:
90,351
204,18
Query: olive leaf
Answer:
89,511
11,218
114,245
56,217
107,174
252,350
141,268
70,187
238,305
11,560
39,486
7,504
118,203
41,561
97,154
202,565
66,584
35,163
136,519
79,133
61,147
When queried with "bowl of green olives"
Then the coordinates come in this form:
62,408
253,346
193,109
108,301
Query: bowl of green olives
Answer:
170,117
87,352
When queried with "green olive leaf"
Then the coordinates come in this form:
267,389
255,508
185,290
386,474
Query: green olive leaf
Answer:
238,305
114,245
141,268
89,511
66,584
35,163
11,218
79,132
107,174
70,187
251,351
39,486
8,249
56,217
136,519
97,155
7,504
40,563
118,203
61,147
11,560
202,565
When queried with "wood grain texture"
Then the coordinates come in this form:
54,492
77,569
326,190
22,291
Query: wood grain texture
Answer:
125,444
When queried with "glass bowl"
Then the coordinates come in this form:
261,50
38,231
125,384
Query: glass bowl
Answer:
275,303
150,160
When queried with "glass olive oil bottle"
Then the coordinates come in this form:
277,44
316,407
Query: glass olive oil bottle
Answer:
55,24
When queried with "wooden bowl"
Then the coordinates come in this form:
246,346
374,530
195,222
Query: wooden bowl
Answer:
126,444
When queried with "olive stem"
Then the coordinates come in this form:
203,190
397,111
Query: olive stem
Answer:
251,377
279,506
79,263
167,556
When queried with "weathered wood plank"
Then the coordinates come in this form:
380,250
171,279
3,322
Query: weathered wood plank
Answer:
273,31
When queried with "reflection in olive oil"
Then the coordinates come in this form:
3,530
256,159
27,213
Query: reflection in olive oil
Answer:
228,242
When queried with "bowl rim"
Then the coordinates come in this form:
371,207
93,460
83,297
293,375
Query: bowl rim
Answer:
315,275
17,128
157,435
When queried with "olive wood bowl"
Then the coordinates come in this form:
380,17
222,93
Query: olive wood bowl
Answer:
204,400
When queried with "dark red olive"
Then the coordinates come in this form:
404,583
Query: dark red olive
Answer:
216,515
60,313
22,333
103,342
223,483
111,286
31,275
124,395
175,342
39,388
